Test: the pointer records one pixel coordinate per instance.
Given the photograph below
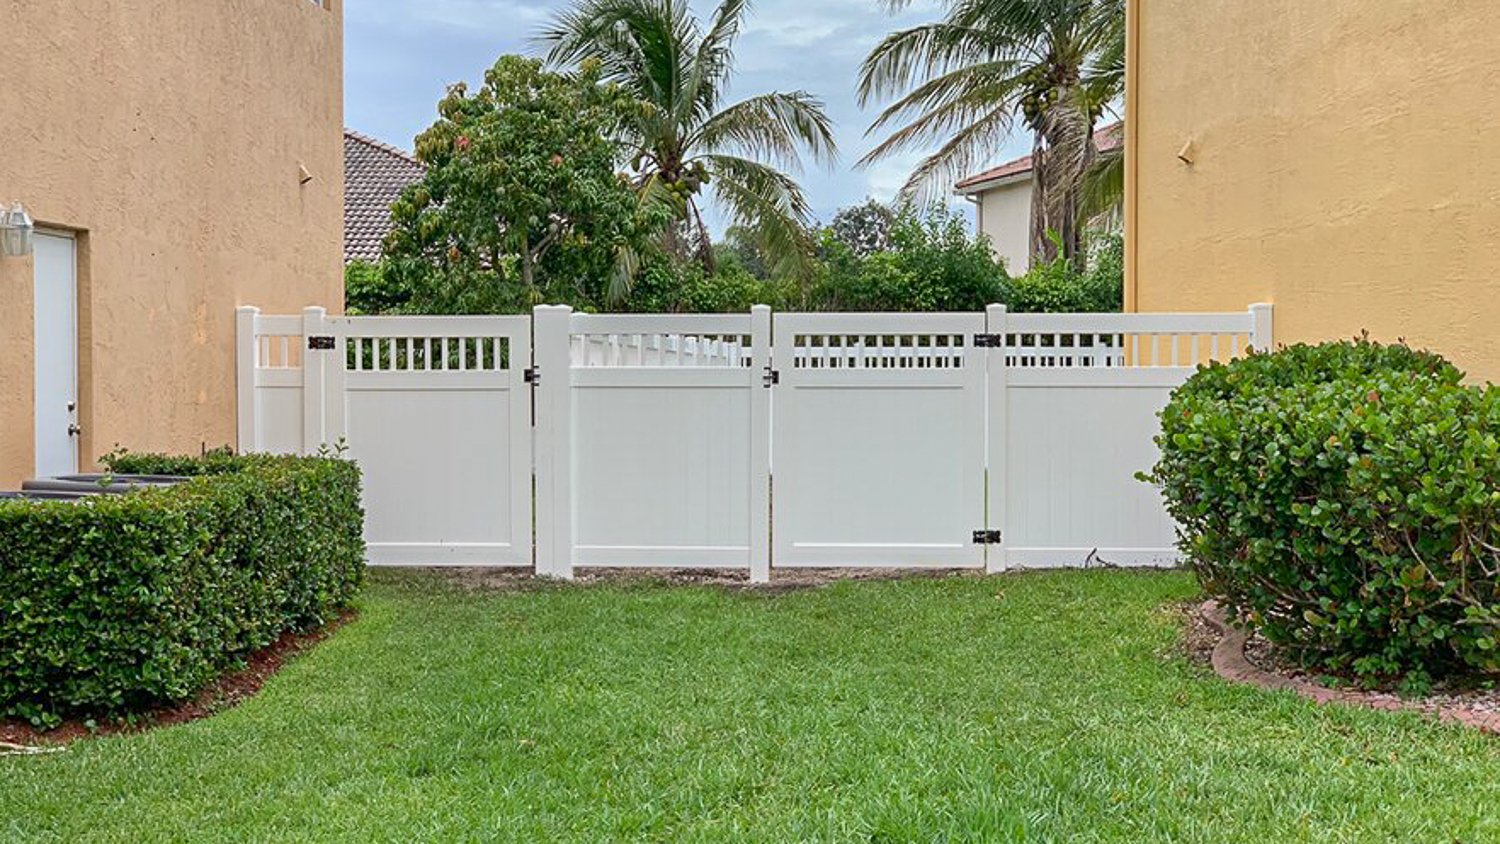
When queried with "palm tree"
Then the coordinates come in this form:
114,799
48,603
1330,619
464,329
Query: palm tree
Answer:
966,80
683,138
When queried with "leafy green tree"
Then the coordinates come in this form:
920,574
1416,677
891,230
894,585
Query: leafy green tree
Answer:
932,264
368,289
966,80
864,228
684,138
523,201
1059,286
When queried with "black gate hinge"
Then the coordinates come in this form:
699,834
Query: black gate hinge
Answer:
989,341
772,376
986,537
320,341
532,375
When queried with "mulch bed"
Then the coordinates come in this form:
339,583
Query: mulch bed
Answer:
1242,657
228,691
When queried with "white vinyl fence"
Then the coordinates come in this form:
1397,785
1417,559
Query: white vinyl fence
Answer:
746,441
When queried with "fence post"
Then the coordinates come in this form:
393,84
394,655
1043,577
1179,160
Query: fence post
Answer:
314,361
553,395
1260,327
996,489
245,318
760,445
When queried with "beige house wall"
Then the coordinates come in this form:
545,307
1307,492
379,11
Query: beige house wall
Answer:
1342,167
1003,213
170,136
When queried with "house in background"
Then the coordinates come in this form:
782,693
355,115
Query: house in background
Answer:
375,174
1336,158
179,159
1002,202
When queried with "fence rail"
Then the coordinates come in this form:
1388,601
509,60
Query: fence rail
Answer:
563,440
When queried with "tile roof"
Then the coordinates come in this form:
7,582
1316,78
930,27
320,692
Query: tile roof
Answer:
1107,138
375,173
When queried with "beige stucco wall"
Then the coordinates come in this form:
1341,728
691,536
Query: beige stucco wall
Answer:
1004,213
170,134
1344,167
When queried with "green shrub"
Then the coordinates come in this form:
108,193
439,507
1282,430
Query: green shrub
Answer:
1060,287
120,603
1344,499
931,263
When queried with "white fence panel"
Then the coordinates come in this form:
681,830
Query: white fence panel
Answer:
897,437
1073,420
437,412
878,440
270,396
665,439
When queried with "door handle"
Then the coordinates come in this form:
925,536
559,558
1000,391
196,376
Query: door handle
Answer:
74,430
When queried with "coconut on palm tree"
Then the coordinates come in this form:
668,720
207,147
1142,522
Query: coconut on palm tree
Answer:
967,81
684,140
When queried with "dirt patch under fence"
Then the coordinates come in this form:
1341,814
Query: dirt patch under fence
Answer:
782,580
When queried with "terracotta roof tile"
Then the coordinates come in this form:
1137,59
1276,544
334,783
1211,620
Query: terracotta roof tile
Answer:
1107,138
375,173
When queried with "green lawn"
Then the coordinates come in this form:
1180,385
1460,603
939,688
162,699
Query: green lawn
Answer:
1042,707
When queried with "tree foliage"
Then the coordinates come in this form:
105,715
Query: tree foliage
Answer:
932,263
523,200
683,138
966,81
865,228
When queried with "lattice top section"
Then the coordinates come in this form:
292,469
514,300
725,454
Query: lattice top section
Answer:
427,354
878,351
278,351
615,349
1072,349
1066,341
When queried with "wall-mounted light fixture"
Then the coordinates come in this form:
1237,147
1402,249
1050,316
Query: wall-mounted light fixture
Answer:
15,231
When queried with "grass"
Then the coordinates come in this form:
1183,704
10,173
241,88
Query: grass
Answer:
1041,707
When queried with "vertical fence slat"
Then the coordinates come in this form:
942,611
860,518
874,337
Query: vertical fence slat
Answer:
244,368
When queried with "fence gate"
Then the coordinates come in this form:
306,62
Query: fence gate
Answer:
877,440
436,410
652,440
743,441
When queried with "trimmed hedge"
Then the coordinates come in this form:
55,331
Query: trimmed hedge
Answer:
1344,500
121,603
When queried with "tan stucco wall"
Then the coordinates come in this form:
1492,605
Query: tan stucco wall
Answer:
171,134
1344,167
1004,213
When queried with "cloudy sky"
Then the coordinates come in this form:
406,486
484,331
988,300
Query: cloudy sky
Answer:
402,54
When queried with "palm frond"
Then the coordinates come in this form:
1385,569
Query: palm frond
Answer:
953,159
1103,186
774,126
769,204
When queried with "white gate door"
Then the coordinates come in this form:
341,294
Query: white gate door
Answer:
668,438
437,412
877,440
55,270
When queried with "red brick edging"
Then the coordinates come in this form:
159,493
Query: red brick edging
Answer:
1229,662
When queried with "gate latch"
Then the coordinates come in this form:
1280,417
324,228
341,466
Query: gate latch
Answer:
772,376
986,537
532,375
322,342
989,341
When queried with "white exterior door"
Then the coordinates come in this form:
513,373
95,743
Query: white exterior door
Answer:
878,440
56,361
